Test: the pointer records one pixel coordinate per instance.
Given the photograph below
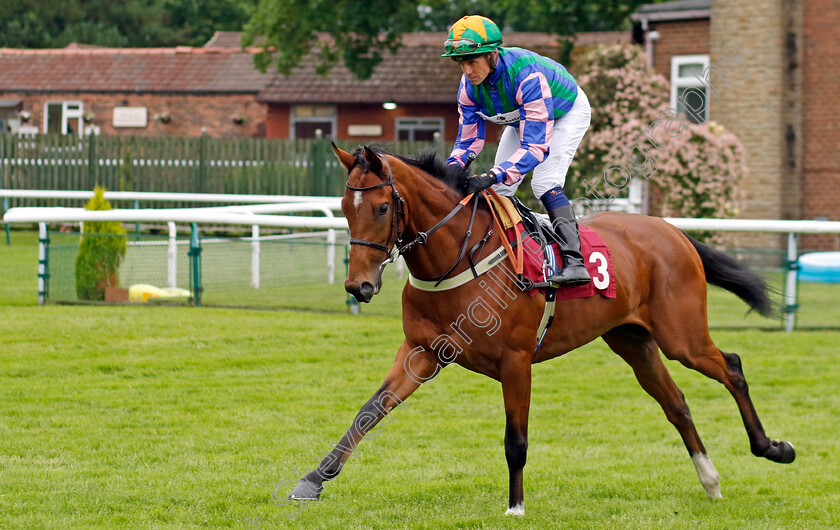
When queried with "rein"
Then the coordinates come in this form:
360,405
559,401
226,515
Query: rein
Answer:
398,213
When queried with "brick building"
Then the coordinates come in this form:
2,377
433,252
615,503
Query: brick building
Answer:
185,91
142,91
780,104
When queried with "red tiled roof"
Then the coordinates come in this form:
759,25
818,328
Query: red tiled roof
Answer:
180,70
416,74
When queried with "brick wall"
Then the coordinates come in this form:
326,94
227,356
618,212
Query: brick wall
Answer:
679,37
191,114
754,108
820,115
375,114
278,120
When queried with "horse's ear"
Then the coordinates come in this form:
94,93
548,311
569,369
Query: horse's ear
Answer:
373,160
347,160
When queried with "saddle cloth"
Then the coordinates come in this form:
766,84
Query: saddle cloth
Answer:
538,264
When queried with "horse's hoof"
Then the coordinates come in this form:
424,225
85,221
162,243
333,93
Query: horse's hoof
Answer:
306,490
518,510
781,451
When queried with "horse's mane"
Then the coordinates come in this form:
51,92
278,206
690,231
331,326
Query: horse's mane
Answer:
451,175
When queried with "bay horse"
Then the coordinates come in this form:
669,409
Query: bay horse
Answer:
490,328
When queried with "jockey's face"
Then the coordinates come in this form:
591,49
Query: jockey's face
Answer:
477,68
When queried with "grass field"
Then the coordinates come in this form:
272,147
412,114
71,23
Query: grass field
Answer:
175,417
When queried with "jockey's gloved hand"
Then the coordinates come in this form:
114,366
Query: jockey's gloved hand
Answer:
477,183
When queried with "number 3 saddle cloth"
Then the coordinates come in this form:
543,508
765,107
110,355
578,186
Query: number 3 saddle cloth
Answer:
538,264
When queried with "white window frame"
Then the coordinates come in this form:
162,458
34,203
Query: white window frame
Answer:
294,119
678,82
67,114
400,123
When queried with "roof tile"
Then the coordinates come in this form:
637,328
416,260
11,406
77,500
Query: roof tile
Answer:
416,74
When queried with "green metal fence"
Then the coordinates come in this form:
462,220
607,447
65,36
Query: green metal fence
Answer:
182,164
294,271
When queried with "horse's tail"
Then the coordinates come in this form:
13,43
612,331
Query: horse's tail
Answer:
727,272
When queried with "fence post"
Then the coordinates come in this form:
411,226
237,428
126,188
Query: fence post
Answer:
172,256
195,258
351,301
255,256
331,256
790,288
43,263
93,161
202,161
318,165
5,209
137,224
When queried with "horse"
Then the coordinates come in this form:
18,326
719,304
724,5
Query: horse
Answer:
489,327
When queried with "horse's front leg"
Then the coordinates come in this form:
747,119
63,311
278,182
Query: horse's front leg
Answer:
515,375
412,367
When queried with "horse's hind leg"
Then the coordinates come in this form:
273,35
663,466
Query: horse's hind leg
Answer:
700,353
636,346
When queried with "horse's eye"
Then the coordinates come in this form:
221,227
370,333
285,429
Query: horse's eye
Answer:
382,210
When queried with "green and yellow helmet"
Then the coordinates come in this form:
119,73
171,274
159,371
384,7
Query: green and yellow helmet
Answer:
472,35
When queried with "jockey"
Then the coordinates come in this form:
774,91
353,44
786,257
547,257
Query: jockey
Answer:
547,115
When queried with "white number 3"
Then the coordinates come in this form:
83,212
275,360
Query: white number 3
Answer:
603,281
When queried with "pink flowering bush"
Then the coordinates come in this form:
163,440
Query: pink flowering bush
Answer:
621,90
634,134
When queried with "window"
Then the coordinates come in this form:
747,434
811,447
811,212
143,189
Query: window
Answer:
63,117
419,129
9,113
306,119
689,93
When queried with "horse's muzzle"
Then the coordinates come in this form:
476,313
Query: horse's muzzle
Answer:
362,292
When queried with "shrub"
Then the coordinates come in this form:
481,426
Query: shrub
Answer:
697,168
621,90
100,252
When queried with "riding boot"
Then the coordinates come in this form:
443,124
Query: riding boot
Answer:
574,271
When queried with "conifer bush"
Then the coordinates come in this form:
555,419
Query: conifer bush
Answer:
101,251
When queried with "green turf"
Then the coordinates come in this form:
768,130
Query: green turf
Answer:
175,417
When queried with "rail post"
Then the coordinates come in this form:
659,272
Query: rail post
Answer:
255,256
195,269
43,263
172,256
5,208
790,283
137,224
351,302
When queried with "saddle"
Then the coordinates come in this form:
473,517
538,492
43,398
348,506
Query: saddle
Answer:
541,251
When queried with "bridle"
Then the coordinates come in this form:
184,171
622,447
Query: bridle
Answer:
398,214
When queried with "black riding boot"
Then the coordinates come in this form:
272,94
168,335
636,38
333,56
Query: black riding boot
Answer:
574,271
